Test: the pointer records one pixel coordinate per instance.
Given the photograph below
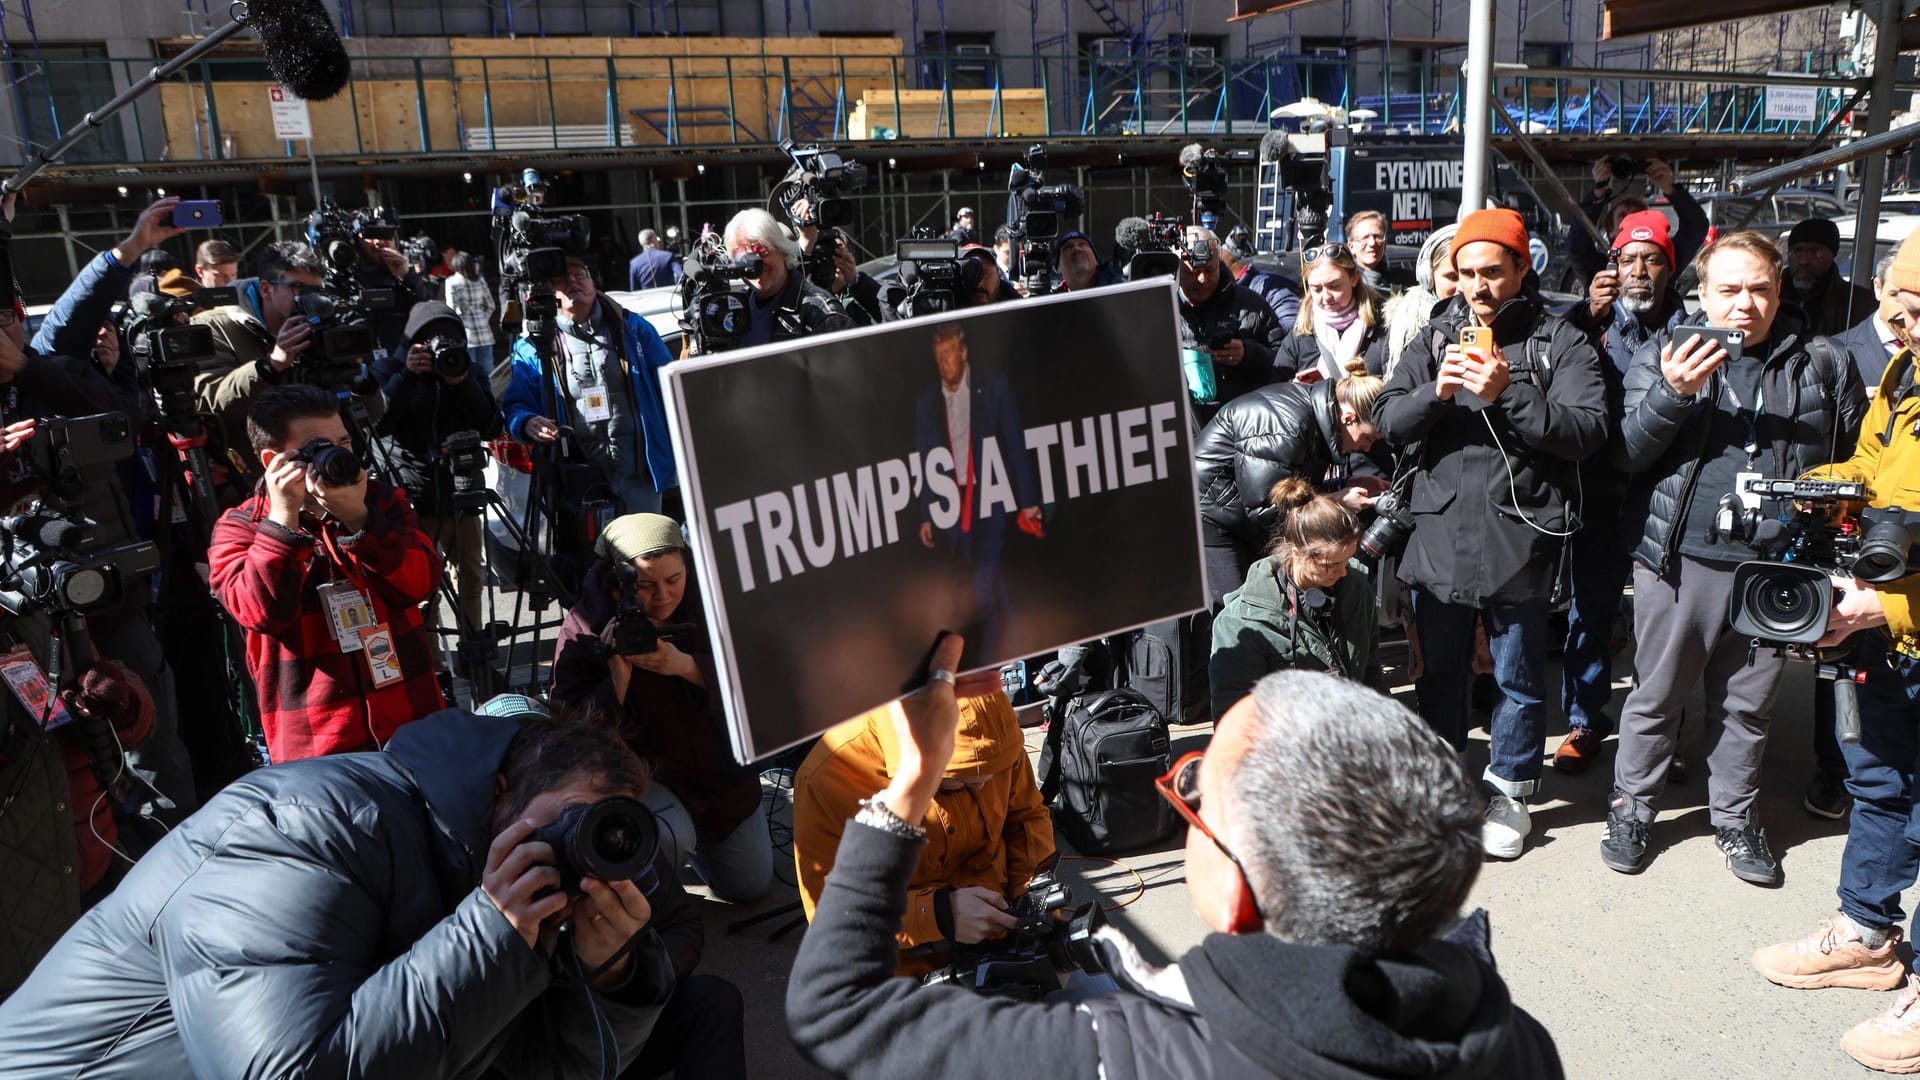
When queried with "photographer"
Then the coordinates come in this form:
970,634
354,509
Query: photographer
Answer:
325,571
1299,608
1697,421
605,383
433,391
665,698
783,304
1502,427
859,295
1225,319
1629,304
1856,947
1255,441
381,914
1281,292
72,325
988,831
994,288
1611,201
215,263
1326,960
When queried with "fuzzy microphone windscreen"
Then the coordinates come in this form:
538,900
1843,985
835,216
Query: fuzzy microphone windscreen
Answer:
301,47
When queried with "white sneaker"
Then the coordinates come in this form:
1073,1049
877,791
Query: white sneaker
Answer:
1505,830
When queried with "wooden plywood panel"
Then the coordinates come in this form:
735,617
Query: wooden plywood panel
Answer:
923,114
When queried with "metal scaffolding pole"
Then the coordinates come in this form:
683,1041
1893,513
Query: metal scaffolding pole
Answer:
1873,171
1478,115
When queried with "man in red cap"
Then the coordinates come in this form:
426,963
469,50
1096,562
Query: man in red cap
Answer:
1502,429
1628,302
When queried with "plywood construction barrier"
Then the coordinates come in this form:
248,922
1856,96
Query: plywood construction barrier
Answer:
922,114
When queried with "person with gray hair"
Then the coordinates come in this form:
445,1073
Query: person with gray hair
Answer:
782,304
1879,337
654,266
1226,320
1332,838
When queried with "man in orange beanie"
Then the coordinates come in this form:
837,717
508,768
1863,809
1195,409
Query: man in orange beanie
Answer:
1502,426
988,832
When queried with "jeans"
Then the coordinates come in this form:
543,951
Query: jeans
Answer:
738,868
482,358
1517,637
1883,840
1599,564
701,1033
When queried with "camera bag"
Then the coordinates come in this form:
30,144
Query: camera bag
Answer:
1104,750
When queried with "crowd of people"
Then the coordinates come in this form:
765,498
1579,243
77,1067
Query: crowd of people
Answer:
287,849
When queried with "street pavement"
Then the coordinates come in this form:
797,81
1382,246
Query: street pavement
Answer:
1644,977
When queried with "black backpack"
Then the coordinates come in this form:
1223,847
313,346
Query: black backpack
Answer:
1104,750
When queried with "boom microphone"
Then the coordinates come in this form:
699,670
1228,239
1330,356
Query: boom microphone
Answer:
301,47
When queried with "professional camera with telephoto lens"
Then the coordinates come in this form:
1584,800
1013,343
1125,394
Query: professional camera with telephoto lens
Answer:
614,838
1037,214
450,357
814,195
329,463
1623,167
713,294
936,277
1392,523
51,561
1052,939
531,243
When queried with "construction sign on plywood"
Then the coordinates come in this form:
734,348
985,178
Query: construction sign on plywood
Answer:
290,117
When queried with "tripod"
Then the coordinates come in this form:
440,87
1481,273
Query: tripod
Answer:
477,648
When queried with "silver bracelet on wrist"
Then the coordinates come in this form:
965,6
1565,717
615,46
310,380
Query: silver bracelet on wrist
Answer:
880,816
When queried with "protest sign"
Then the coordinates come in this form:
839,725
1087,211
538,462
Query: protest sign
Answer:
1020,473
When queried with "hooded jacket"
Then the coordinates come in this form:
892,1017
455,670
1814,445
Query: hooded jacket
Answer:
324,918
1238,1006
422,410
1254,442
1493,479
1263,628
1665,439
997,836
1887,459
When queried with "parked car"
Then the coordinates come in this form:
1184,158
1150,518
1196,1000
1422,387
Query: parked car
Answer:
509,469
1776,215
1891,231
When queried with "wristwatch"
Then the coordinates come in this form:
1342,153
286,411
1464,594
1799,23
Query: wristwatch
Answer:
878,815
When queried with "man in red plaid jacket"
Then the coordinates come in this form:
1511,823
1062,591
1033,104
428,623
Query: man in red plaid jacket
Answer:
326,576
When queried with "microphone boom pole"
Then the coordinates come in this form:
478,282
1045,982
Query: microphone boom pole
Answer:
100,115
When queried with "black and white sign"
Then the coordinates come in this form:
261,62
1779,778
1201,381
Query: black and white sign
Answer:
1021,473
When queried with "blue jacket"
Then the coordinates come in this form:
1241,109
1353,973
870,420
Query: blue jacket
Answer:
1281,293
1870,354
530,395
652,268
994,412
325,918
69,327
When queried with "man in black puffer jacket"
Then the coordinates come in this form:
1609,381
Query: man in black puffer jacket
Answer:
427,401
1330,959
1259,439
1502,432
1698,422
1227,320
376,914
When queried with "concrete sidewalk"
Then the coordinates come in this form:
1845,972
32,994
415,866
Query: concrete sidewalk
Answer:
1643,977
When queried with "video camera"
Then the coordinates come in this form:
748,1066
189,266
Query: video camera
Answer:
49,560
1051,939
165,341
1204,172
1161,250
937,278
713,303
464,455
531,243
1037,213
1300,162
342,340
814,195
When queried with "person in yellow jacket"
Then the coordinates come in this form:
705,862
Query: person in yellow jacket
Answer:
988,832
1855,946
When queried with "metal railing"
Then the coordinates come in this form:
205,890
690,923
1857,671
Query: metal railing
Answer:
460,105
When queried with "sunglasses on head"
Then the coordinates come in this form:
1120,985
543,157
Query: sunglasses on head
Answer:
1325,251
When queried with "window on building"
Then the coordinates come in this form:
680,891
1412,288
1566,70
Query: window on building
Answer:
53,91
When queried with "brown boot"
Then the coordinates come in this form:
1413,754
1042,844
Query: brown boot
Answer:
1889,1042
1832,955
1579,750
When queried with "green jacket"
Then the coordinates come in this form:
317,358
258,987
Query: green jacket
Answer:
1257,633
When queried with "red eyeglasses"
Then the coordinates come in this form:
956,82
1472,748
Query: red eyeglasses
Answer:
1181,787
